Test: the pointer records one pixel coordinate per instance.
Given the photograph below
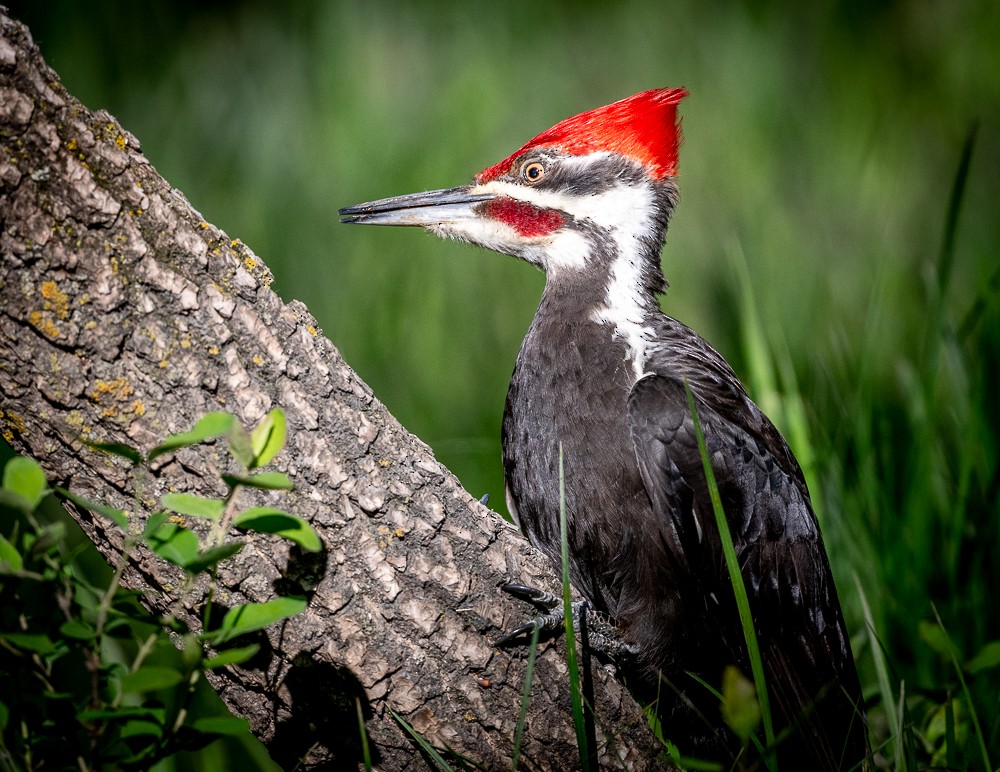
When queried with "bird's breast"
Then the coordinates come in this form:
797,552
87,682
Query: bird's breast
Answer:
568,394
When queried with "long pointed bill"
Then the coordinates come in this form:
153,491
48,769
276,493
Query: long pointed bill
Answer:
434,207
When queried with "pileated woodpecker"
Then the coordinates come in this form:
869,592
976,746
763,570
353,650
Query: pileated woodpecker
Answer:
603,373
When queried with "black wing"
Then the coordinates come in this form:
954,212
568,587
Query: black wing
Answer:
806,654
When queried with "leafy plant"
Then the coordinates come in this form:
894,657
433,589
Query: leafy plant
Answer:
93,682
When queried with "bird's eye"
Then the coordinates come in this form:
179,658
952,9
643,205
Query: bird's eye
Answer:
533,172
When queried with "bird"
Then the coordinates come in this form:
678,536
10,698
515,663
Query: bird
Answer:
603,379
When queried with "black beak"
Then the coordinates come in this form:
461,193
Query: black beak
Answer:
433,207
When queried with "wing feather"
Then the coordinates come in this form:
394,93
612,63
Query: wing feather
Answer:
808,666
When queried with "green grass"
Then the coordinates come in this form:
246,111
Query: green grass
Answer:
585,741
529,672
739,588
837,240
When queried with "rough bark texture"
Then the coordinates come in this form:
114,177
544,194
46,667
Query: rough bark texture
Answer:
124,315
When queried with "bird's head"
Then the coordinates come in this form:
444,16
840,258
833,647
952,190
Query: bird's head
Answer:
595,189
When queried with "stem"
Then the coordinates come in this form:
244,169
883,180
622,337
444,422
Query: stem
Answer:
218,536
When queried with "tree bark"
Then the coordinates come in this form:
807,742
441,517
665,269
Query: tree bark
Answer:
126,316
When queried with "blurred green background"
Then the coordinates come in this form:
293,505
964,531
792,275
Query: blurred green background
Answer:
811,244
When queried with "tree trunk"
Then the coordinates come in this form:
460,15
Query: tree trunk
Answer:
126,316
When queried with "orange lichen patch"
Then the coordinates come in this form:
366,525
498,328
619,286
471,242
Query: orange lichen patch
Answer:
385,536
249,262
138,408
258,360
213,350
41,322
55,299
120,141
311,330
384,463
72,144
118,390
12,422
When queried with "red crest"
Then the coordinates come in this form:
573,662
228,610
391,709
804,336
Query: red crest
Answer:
644,127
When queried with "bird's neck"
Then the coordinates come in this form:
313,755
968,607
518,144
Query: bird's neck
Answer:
616,304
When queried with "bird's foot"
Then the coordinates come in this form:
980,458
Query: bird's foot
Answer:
602,637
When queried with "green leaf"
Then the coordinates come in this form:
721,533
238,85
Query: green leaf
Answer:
190,504
116,516
119,449
209,426
192,651
173,543
740,708
121,626
268,438
123,713
25,477
11,500
74,628
36,642
50,536
205,560
151,679
235,656
140,728
153,523
240,446
288,526
255,616
987,658
230,726
10,558
265,480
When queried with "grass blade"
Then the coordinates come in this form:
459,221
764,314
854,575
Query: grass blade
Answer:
947,256
739,588
572,663
881,674
974,715
529,673
365,752
425,746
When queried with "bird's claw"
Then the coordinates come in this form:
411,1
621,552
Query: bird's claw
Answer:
602,635
541,599
512,636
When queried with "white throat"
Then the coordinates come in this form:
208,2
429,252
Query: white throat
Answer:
626,299
625,309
